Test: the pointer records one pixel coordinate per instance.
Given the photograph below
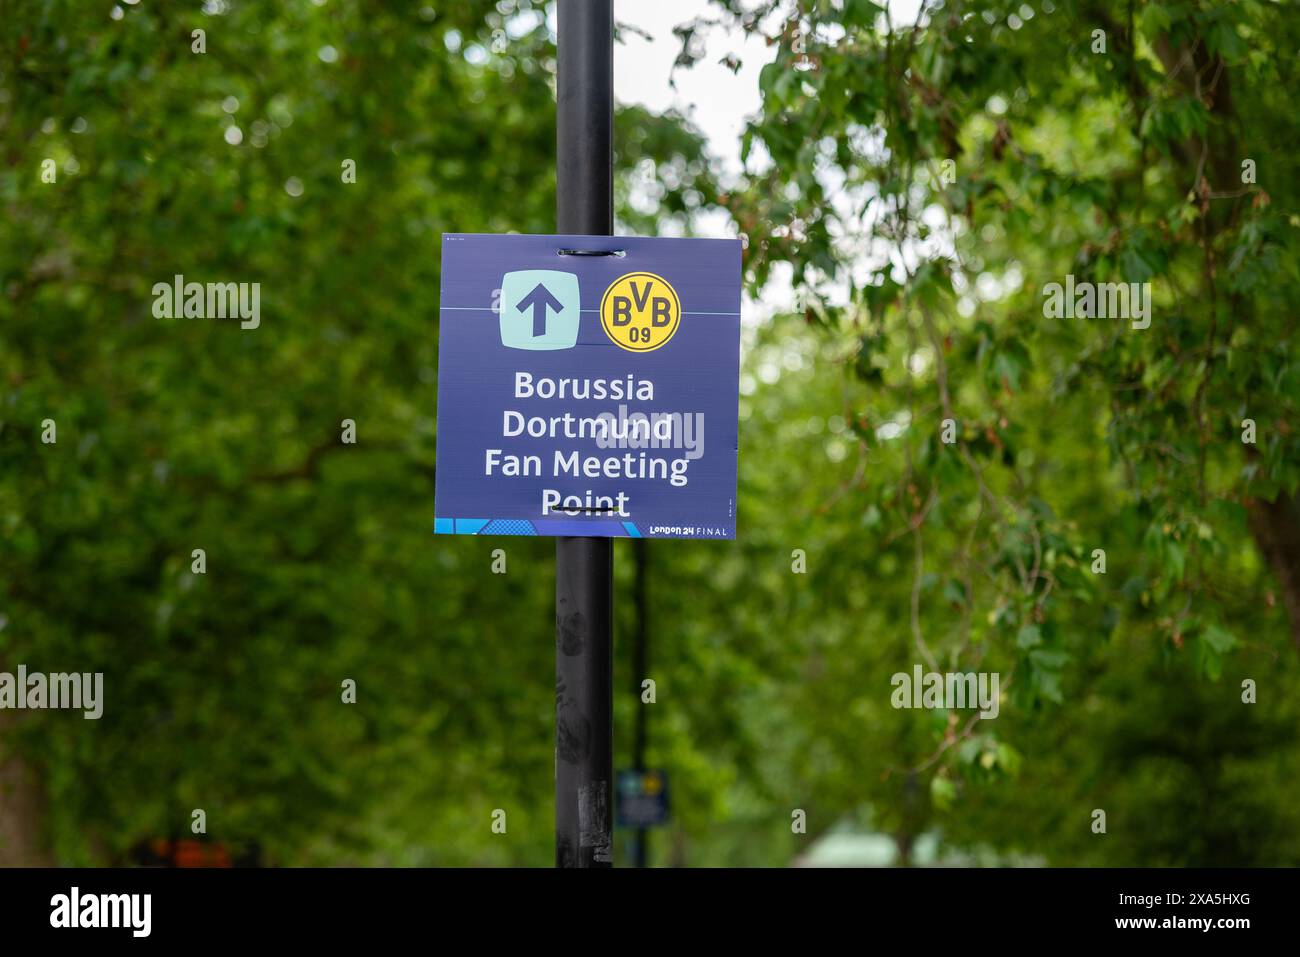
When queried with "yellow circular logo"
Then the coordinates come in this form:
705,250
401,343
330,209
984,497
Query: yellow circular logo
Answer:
640,311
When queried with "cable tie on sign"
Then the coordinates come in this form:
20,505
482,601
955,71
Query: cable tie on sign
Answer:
592,252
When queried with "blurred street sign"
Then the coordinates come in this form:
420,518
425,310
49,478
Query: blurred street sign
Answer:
642,798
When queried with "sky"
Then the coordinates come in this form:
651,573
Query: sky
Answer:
716,100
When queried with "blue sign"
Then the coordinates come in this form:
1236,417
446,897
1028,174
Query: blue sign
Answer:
588,385
642,799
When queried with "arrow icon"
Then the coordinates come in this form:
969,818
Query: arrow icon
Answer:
549,308
539,300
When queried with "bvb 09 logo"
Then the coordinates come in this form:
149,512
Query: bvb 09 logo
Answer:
640,311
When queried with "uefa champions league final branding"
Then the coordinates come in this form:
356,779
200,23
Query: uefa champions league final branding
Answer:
588,385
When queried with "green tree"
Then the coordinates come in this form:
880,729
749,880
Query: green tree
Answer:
233,165
920,288
923,183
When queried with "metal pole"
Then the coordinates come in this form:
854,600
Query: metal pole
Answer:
584,567
640,671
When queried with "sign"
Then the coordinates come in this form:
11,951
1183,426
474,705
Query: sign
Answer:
588,385
642,798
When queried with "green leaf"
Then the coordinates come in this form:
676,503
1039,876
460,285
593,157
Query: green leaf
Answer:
1155,20
1213,643
1029,636
943,792
1222,38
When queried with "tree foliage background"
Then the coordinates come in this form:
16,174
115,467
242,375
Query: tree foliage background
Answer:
920,300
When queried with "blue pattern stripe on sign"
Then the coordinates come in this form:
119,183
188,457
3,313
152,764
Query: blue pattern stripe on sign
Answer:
509,526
